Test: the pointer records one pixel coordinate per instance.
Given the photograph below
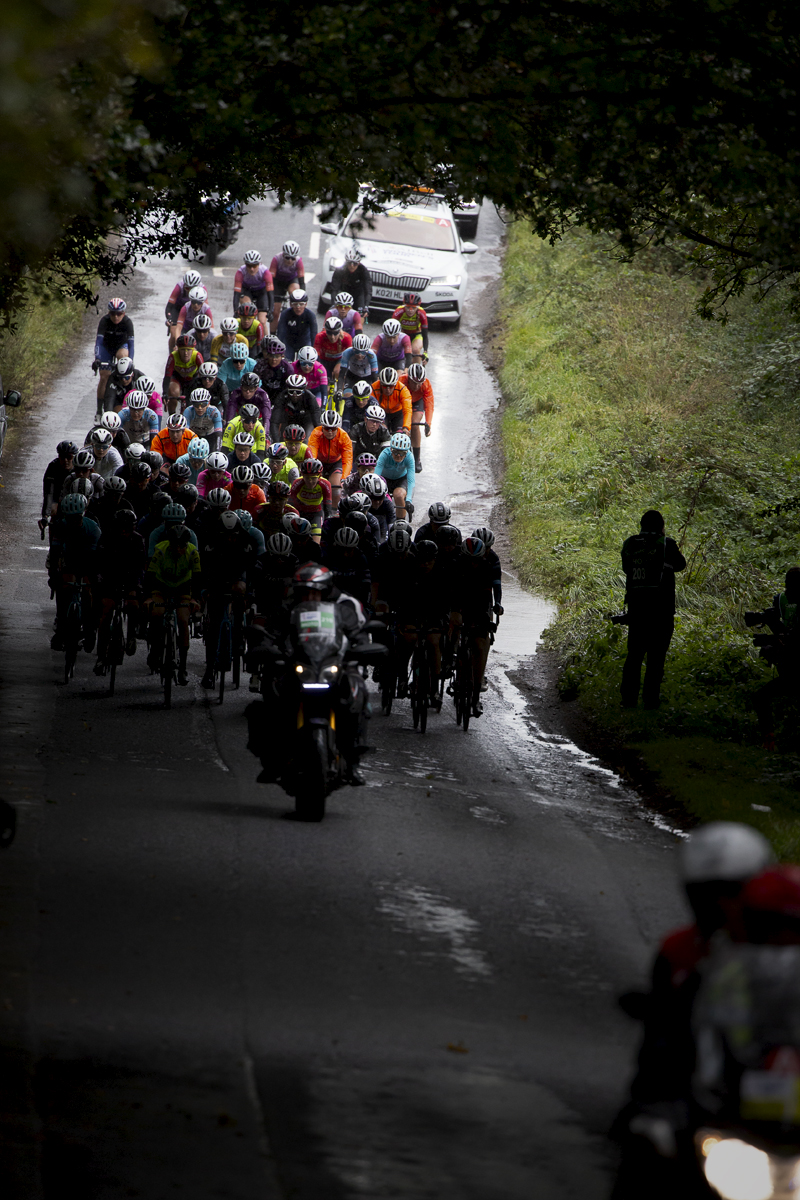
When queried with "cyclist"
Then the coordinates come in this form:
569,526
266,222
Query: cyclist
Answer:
422,603
178,474
228,554
356,405
152,518
181,370
438,516
247,422
288,274
234,367
477,595
114,341
311,495
304,547
421,392
372,436
272,578
294,440
172,441
250,327
203,333
395,400
218,502
154,399
347,506
282,466
297,327
392,347
138,420
353,277
119,438
414,323
124,377
272,368
107,460
359,362
103,509
330,344
195,506
348,564
178,297
229,334
295,404
174,572
243,452
365,465
83,468
269,519
254,282
204,418
121,565
73,558
350,317
332,446
195,459
194,307
255,535
245,492
389,570
396,465
249,392
216,474
55,473
140,488
208,378
308,365
381,504
172,513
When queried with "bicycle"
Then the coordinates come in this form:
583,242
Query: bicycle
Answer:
167,665
230,645
388,670
71,627
334,401
463,687
422,680
114,652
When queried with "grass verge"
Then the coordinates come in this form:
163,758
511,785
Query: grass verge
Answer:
619,398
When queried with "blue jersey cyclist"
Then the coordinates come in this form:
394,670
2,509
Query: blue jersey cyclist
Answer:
396,466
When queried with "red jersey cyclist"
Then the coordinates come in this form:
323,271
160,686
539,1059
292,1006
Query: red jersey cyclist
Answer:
414,323
421,392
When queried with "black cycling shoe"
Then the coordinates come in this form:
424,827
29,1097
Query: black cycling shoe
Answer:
208,680
89,640
355,776
477,709
56,642
99,667
418,467
183,678
130,645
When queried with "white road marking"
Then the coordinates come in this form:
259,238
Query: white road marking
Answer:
313,250
309,275
317,211
218,272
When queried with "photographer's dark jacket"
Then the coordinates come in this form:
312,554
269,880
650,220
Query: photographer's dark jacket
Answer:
650,561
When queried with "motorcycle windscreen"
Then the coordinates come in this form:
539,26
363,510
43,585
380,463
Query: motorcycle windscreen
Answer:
316,630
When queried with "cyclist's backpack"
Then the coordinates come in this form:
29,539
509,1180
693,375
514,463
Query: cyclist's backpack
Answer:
643,558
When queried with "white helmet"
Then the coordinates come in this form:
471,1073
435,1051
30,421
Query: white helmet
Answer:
307,355
725,851
217,461
388,377
361,342
392,327
291,249
333,325
148,386
198,294
124,366
229,521
353,255
374,485
135,400
344,298
201,396
101,436
330,419
297,382
192,279
252,258
202,322
229,325
111,421
208,370
375,413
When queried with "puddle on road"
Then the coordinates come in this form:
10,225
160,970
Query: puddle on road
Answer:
414,909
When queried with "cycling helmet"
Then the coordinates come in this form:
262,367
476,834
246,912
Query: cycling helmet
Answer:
101,437
125,518
191,280
416,373
365,501
392,327
399,540
724,851
245,519
278,489
141,470
278,451
146,385
154,458
250,380
293,523
229,521
312,577
294,433
208,370
242,438
375,413
117,305
66,449
229,325
243,476
247,308
291,249
198,295
176,421
116,485
249,412
201,396
439,513
217,461
353,255
82,487
357,521
374,485
344,298
124,367
330,419
333,325
186,339
362,389
279,544
252,258
73,505
448,535
348,504
136,401
425,551
307,356
366,460
219,498
158,502
298,296
296,383
173,512
111,421
346,537
388,377
311,466
474,547
485,534
188,493
411,298
180,470
400,441
361,343
84,459
273,347
202,322
261,473
239,352
403,525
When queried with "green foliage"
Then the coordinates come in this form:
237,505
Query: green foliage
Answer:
30,355
620,399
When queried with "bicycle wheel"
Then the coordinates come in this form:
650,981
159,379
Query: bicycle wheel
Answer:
223,654
168,667
388,686
466,711
72,637
416,687
238,645
116,649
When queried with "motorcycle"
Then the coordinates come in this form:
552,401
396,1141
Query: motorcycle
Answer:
226,231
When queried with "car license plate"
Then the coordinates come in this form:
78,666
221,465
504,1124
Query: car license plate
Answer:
388,293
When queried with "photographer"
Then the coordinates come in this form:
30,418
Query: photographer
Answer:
649,560
780,648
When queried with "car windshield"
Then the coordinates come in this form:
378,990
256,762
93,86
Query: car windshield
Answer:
403,227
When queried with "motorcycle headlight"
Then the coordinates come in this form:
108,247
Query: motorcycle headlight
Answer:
447,281
736,1170
330,674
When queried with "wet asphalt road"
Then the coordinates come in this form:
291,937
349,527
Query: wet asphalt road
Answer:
414,999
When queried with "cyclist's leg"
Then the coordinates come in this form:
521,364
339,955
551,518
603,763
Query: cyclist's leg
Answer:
132,613
335,480
434,639
417,349
417,421
214,610
480,655
399,497
404,648
156,633
182,610
173,389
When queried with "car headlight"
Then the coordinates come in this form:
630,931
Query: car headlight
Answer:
447,281
737,1170
336,262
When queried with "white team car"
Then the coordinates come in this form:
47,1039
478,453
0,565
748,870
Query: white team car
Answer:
413,246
